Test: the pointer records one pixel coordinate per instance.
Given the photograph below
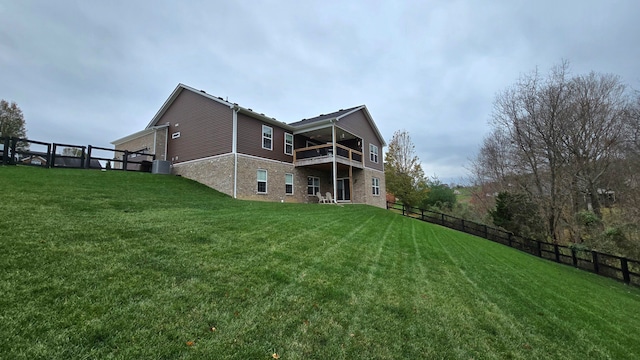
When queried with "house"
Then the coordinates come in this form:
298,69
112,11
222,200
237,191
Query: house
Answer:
249,155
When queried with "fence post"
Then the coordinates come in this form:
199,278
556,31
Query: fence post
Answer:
422,214
596,267
539,248
625,270
574,258
83,164
53,155
441,219
125,157
486,233
12,159
5,151
49,158
509,239
402,209
462,222
88,160
557,252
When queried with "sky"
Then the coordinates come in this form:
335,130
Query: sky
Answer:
90,72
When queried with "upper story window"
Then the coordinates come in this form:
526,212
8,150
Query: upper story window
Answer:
288,144
373,153
267,137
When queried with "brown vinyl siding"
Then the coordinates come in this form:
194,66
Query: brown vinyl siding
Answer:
358,124
205,126
250,139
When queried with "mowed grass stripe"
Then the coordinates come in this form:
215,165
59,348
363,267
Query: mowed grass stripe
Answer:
546,306
127,265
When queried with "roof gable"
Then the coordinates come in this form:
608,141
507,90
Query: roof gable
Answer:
317,120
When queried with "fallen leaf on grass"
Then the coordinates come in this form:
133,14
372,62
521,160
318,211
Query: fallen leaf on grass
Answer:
213,328
275,356
190,343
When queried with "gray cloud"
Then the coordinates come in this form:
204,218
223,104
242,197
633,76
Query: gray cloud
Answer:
88,73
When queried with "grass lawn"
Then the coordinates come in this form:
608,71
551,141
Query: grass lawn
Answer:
115,265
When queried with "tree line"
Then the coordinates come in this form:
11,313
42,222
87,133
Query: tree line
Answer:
561,160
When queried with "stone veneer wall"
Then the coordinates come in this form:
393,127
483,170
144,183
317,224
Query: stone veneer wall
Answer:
248,167
215,172
142,142
161,143
370,199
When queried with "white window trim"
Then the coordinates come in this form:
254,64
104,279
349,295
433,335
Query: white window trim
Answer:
265,137
373,153
285,184
313,177
175,135
285,144
266,182
375,186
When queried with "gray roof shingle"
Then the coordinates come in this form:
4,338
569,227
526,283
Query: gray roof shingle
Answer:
323,117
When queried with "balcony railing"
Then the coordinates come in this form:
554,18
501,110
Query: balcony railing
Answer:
318,153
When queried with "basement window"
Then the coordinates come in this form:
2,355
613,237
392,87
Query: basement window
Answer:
288,184
313,185
262,181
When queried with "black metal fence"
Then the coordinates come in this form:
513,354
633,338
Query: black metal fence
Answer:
18,151
612,266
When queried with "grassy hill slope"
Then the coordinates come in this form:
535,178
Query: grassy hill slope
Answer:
129,265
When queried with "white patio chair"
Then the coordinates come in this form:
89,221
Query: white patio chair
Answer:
329,198
320,198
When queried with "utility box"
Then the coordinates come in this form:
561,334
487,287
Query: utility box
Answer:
161,167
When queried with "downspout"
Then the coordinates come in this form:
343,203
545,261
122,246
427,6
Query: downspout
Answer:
166,142
335,165
234,150
155,138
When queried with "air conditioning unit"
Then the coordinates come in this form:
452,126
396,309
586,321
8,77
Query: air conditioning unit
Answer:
161,167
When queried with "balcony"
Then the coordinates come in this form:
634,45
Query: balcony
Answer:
323,154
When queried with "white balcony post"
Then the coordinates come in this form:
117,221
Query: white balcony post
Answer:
335,165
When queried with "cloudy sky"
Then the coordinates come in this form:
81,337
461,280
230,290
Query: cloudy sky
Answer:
90,72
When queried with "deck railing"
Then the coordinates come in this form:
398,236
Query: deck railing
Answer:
326,150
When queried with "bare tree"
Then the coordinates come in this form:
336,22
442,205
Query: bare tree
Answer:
554,138
528,117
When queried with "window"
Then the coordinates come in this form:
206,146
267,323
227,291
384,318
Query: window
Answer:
313,185
288,144
373,153
262,181
375,186
267,137
288,184
175,135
